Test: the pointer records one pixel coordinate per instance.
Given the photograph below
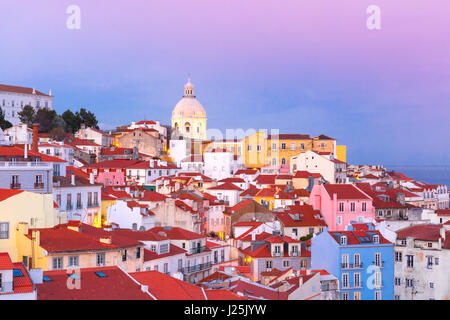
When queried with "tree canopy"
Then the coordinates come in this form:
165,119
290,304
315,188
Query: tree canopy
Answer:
4,124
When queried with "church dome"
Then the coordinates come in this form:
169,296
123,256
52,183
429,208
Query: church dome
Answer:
188,106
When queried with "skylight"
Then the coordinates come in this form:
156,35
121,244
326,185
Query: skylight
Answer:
46,279
101,274
17,273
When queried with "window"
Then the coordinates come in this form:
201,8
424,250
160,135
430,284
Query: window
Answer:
58,200
166,268
283,146
377,261
409,282
124,255
249,147
345,280
338,220
357,295
396,297
410,261
57,263
357,280
431,285
398,256
344,260
274,146
283,160
78,200
430,262
343,240
73,261
268,264
292,146
286,263
397,282
100,259
352,207
357,260
258,148
311,230
4,230
89,200
164,248
364,207
138,253
436,261
345,296
378,295
341,207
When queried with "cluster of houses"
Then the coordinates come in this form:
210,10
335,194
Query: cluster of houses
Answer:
132,213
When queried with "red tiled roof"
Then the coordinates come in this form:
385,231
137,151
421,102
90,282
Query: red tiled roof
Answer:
428,232
165,287
174,250
22,284
116,164
222,294
19,152
265,179
233,180
289,136
226,186
117,285
8,193
176,233
249,172
443,212
5,261
116,151
353,237
307,216
153,196
345,191
23,90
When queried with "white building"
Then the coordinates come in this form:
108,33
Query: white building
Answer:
130,215
193,163
19,134
333,170
78,198
58,150
13,99
422,263
220,164
145,172
15,281
94,135
179,150
227,192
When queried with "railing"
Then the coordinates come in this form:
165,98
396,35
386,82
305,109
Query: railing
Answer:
329,287
351,265
15,186
39,185
6,287
294,253
27,164
197,250
380,264
196,268
276,254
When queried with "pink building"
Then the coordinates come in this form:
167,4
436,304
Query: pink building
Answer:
341,204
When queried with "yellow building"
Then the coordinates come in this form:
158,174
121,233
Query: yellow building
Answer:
233,145
266,197
76,245
324,143
281,147
18,206
341,153
255,150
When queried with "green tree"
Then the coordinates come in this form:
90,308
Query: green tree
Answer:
27,115
58,134
73,121
4,124
88,118
46,119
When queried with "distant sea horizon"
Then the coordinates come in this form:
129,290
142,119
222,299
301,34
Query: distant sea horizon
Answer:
439,174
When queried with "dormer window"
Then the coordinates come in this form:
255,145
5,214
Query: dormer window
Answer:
376,239
343,240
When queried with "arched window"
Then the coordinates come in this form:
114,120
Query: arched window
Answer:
283,161
187,127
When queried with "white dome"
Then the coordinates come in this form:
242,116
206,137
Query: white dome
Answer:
188,107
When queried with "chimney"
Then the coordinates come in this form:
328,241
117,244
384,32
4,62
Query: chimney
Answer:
72,180
253,236
34,146
36,275
91,178
25,155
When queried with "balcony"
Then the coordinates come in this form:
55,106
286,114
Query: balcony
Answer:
39,185
351,265
196,268
197,250
276,254
15,185
379,264
12,165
